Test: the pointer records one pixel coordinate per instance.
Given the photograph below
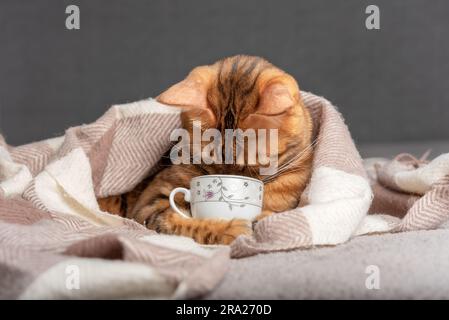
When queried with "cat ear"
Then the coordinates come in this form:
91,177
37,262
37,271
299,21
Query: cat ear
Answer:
275,98
191,95
190,92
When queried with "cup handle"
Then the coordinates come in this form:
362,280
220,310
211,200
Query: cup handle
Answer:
171,199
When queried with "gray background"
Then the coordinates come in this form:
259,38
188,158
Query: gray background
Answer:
391,84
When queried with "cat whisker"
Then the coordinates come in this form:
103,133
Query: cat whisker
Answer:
286,168
299,155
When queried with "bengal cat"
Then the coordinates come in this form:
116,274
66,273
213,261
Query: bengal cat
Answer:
238,92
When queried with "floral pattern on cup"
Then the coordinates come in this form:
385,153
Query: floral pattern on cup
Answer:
218,189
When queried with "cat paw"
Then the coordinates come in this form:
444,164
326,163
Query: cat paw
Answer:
260,217
233,229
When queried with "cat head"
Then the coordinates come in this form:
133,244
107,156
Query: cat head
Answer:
244,92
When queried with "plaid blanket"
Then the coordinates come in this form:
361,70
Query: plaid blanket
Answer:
55,242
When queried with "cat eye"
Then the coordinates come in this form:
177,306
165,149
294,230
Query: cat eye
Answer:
271,114
280,113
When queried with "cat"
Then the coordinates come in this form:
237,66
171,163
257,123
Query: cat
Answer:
238,92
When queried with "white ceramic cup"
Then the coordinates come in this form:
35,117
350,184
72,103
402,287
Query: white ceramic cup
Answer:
222,197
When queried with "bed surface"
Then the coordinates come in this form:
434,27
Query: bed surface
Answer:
411,265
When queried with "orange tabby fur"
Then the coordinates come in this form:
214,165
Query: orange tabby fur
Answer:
237,92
